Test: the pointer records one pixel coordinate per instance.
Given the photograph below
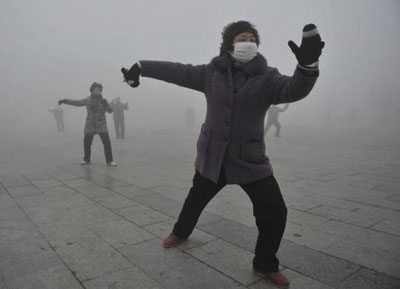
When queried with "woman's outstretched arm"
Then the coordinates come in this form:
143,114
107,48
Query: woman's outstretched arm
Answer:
185,75
80,102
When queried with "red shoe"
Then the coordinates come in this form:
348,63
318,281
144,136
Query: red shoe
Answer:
172,241
277,277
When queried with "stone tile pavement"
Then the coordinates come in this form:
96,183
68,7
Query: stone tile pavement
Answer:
67,226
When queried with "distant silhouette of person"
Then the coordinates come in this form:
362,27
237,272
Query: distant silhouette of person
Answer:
272,120
96,123
189,116
58,113
119,117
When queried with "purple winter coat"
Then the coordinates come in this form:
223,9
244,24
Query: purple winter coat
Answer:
232,136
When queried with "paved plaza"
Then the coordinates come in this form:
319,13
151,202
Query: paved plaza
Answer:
65,226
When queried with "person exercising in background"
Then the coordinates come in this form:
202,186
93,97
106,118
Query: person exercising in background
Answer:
96,123
119,117
58,113
272,120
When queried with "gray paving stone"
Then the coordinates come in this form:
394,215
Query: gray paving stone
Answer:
171,192
13,182
59,191
161,203
6,201
115,201
16,192
94,192
148,181
163,229
208,218
232,210
131,191
321,267
131,278
25,256
263,284
119,232
388,226
109,182
232,232
373,256
174,269
305,219
2,283
231,260
43,184
366,247
310,237
62,175
77,183
142,215
92,259
37,175
15,225
345,216
377,212
302,204
57,277
297,281
44,209
394,197
366,278
2,189
63,234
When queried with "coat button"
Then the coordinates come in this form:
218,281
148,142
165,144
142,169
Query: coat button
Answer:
227,122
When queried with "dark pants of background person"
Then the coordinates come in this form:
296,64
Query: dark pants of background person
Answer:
119,128
269,210
105,138
273,123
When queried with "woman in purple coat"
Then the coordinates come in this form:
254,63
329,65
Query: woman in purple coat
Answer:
239,87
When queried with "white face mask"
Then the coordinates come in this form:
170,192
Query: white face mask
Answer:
244,51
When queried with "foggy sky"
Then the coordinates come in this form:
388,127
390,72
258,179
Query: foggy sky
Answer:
55,49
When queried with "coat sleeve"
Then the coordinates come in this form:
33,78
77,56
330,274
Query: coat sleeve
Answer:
80,102
285,89
186,75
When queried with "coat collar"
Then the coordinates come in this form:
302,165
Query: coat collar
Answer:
254,67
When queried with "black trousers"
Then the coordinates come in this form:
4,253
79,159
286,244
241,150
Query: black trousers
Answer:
119,126
105,138
269,210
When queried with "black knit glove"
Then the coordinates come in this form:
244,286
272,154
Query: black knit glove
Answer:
131,76
61,101
310,49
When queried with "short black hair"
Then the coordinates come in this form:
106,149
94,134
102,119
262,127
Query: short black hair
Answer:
231,30
94,85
